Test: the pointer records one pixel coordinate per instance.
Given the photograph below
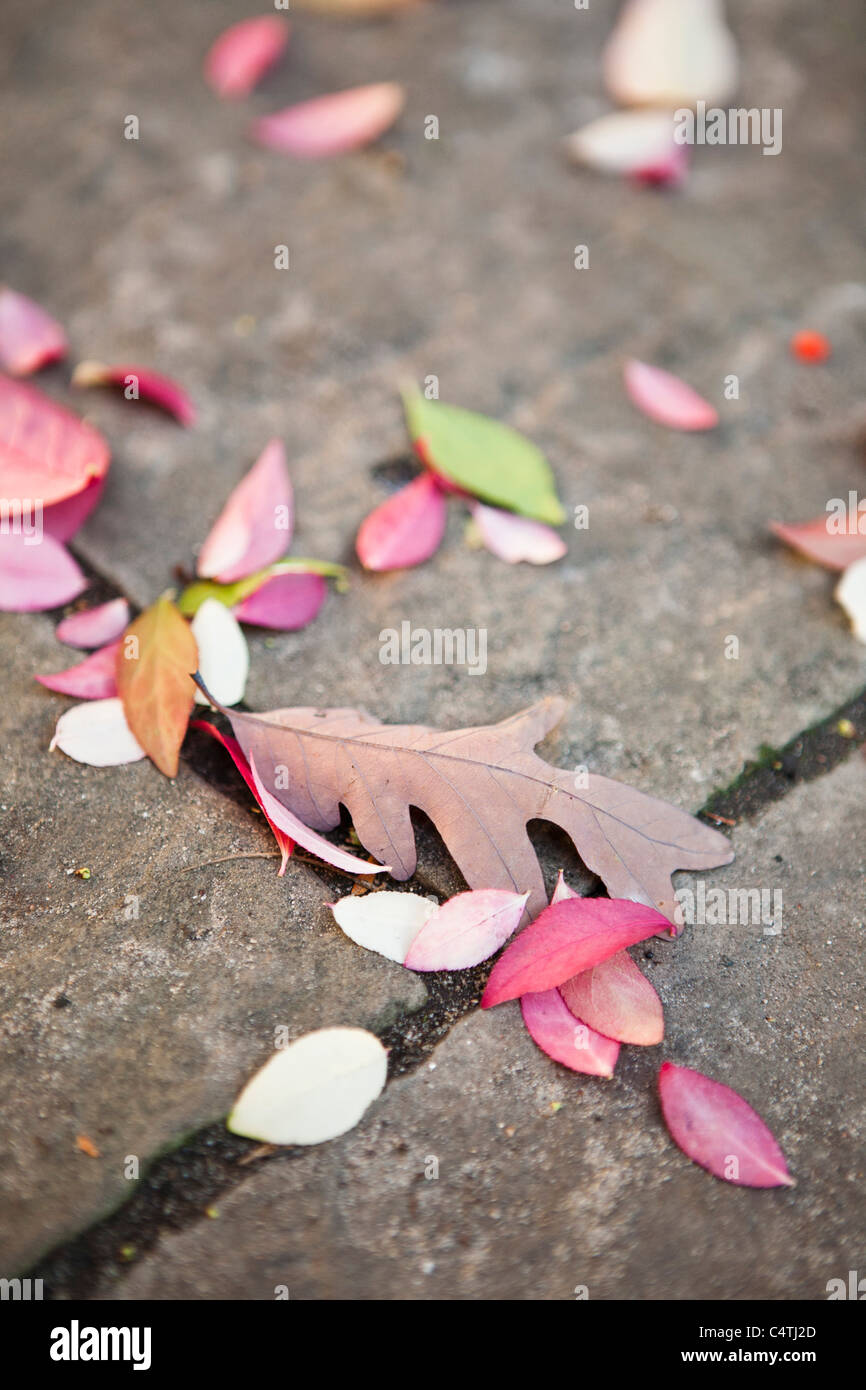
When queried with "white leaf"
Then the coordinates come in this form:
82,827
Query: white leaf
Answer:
313,1090
223,654
384,922
97,733
671,53
627,142
851,593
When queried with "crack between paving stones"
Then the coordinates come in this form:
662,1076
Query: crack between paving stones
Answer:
181,1185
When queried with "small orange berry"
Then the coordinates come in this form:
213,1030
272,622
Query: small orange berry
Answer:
809,346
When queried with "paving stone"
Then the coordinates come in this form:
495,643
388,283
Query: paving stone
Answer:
548,1181
134,1030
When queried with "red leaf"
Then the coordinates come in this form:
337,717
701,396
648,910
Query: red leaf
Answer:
565,1038
666,399
835,550
716,1128
46,453
618,1000
93,627
36,577
139,383
466,929
332,124
235,752
243,53
405,530
92,679
286,601
29,338
254,527
564,939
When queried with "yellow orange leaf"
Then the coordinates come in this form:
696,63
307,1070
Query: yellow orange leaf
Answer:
155,661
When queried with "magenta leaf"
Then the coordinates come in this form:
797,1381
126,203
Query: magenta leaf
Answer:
279,815
406,530
139,383
285,601
36,577
92,679
618,1000
46,453
239,58
834,550
465,930
95,626
236,753
255,526
565,1038
29,337
332,124
514,538
716,1128
666,399
565,938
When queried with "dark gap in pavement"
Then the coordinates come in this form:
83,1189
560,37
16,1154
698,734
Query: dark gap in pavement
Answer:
180,1187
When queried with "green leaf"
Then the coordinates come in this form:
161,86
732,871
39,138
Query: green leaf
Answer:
484,457
194,596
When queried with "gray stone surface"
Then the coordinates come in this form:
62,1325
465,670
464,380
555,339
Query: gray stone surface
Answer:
454,258
548,1180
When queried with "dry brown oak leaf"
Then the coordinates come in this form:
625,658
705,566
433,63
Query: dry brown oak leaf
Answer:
480,787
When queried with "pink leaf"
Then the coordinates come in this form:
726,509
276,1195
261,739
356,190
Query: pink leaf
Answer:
254,527
29,338
279,815
95,626
139,383
465,930
46,453
618,1000
514,538
236,753
332,124
36,577
812,538
405,530
562,891
243,53
565,1038
92,679
666,399
566,938
286,601
63,519
716,1128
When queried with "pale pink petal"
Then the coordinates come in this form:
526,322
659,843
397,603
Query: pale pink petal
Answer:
236,753
254,527
95,626
36,577
851,593
46,453
92,679
406,530
29,338
281,816
514,538
667,399
465,930
565,1038
618,1000
670,53
97,733
243,53
568,937
139,383
332,124
812,538
716,1128
63,519
287,602
636,143
562,891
